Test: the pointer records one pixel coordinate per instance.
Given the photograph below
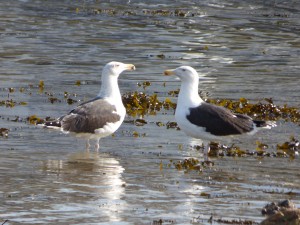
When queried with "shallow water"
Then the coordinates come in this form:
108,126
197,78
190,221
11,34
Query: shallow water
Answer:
246,50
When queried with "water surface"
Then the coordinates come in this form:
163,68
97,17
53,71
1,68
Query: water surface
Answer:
248,49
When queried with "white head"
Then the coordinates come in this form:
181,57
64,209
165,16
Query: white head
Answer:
188,95
116,68
185,74
110,74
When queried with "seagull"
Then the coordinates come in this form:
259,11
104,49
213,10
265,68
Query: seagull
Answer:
100,116
205,121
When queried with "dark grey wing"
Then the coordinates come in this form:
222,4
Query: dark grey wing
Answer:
90,116
219,121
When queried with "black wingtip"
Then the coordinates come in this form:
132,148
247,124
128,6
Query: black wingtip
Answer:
264,124
52,124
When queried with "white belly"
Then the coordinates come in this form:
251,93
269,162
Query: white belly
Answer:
192,130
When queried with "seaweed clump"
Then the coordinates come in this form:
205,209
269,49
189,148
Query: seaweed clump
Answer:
144,84
289,148
11,103
161,222
265,109
188,164
219,150
211,220
3,132
191,164
8,103
141,104
33,119
140,12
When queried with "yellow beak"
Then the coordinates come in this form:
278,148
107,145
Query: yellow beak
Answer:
129,67
169,72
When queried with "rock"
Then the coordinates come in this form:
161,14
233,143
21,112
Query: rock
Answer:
273,208
284,217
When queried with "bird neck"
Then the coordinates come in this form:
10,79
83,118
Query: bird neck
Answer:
188,94
110,87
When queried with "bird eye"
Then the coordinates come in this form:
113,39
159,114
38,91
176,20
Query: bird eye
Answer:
117,65
183,70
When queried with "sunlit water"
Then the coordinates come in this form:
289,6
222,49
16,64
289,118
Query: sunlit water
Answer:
246,50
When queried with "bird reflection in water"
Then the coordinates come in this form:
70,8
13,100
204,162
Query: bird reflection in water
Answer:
91,180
